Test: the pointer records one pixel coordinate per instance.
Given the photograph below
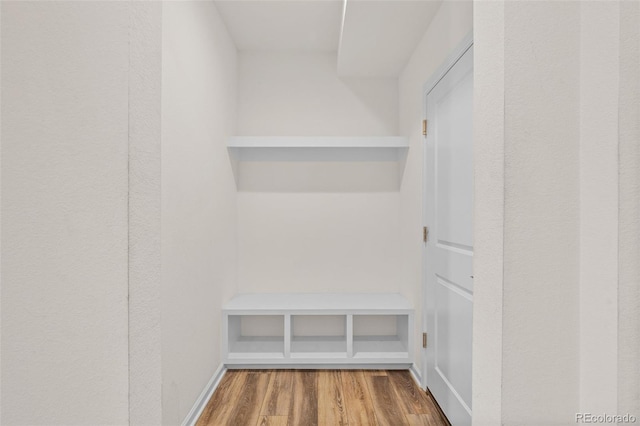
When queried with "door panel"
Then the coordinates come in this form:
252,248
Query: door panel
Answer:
454,165
453,320
449,248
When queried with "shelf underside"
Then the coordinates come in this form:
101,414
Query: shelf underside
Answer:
287,148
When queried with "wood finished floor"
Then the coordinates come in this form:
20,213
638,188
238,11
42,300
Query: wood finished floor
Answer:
320,397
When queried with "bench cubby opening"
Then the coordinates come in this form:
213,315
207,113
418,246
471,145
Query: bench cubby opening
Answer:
256,336
318,331
319,336
380,336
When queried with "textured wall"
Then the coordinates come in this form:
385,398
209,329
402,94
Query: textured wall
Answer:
315,226
541,212
629,211
566,301
0,209
145,73
198,198
301,94
599,84
488,266
64,212
323,242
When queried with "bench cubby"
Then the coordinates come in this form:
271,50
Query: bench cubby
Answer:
255,336
318,330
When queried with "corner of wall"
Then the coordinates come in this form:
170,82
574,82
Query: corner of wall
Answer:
199,200
489,139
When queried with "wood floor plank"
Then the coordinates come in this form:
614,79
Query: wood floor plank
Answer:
221,405
422,420
385,402
323,398
377,372
273,421
412,399
331,409
436,411
279,394
358,402
304,404
248,402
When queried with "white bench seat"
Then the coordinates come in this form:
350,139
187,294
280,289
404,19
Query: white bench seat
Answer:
325,330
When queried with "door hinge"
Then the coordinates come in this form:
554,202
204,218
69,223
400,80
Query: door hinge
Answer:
424,127
424,340
425,233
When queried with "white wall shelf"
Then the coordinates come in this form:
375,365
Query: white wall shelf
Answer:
315,330
294,148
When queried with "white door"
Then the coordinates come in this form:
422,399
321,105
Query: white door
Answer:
448,212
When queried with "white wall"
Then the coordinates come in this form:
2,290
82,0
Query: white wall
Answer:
318,242
198,198
526,306
64,212
81,206
599,83
541,212
629,211
300,94
145,75
488,262
315,226
452,22
0,210
564,151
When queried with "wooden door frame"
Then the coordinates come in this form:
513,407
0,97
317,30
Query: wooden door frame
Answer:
443,69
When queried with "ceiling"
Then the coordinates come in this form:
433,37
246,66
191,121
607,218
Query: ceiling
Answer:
378,37
289,25
372,37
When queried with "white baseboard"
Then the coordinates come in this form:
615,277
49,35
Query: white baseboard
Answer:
417,376
204,397
293,366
